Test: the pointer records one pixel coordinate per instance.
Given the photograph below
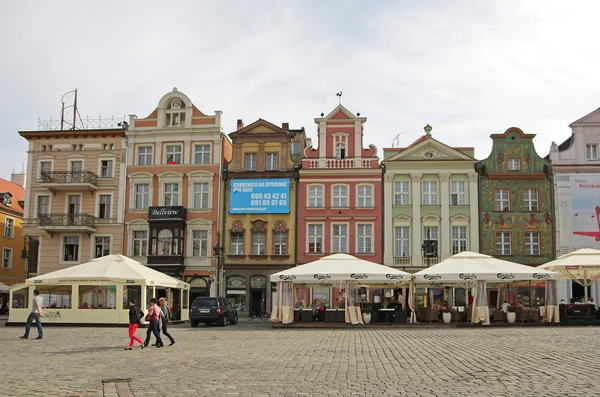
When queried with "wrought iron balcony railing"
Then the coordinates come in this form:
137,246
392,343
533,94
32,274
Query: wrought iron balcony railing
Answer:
54,219
70,177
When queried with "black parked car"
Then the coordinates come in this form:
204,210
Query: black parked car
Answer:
212,310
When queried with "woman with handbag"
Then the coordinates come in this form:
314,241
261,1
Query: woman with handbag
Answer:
134,322
165,316
153,317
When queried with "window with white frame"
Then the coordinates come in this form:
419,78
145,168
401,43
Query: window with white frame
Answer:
401,193
175,113
339,238
295,147
530,199
459,239
259,242
365,238
503,244
202,154
106,168
532,243
514,164
237,243
272,162
459,194
430,193
200,195
401,241
250,162
9,227
7,258
140,243
142,196
280,243
43,205
315,196
340,196
591,151
76,171
365,196
104,205
101,246
502,200
144,155
45,168
70,249
171,194
173,154
200,243
340,150
315,238
431,233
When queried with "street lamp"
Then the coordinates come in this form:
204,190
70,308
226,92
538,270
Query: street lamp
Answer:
219,253
25,254
429,247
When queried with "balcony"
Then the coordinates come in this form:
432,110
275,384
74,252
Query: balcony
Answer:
66,223
69,180
165,260
339,163
407,262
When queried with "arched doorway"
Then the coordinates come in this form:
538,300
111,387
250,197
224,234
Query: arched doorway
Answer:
199,286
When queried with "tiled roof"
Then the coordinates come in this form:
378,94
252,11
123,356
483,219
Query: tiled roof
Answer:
18,193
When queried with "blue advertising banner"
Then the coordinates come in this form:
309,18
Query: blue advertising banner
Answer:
259,196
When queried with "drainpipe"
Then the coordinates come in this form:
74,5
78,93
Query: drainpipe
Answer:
297,169
383,169
221,215
123,179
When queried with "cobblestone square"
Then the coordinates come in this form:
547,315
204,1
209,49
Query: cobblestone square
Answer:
252,359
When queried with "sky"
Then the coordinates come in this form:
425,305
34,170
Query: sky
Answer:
468,68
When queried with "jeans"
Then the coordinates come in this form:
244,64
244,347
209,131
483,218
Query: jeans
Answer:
153,329
38,322
166,333
132,329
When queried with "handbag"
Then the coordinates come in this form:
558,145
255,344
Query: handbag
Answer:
148,317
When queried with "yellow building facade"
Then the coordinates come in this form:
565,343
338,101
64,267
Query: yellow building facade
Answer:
13,269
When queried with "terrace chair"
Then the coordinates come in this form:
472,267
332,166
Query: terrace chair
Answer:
520,316
422,314
457,317
469,310
498,316
433,316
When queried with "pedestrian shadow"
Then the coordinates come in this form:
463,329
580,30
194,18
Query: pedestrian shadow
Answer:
93,349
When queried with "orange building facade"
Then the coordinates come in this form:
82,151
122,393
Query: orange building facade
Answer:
13,269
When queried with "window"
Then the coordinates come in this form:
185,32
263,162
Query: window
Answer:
200,195
459,239
175,113
339,241
532,243
459,196
295,147
104,206
166,243
503,243
340,196
9,228
315,239
202,154
106,168
200,243
173,154
280,243
250,162
401,193
140,243
101,246
7,258
365,196
530,199
145,155
97,296
402,241
272,162
591,151
43,205
237,243
142,196
430,193
45,168
431,233
70,248
76,171
108,146
514,164
315,196
258,243
340,150
171,194
502,200
365,239
74,205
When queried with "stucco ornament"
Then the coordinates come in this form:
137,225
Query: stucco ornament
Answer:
429,152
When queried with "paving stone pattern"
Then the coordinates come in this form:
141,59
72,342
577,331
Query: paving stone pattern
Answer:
255,360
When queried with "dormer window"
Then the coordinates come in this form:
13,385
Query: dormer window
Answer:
591,151
175,113
340,150
514,164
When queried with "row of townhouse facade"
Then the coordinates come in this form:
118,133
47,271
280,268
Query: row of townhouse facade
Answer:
225,211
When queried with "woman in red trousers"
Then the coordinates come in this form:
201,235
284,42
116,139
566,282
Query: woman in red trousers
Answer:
134,322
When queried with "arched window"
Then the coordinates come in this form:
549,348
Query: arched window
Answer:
165,242
175,113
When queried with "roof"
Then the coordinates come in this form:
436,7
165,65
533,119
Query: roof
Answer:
18,194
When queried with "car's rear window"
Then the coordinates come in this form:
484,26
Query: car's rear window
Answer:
204,302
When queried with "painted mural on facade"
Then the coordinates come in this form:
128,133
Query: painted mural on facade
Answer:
585,210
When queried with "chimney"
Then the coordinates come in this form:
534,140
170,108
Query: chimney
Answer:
240,124
18,179
285,126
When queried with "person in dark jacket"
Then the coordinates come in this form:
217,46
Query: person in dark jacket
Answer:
134,322
165,317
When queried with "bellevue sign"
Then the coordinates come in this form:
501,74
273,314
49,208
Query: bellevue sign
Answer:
167,213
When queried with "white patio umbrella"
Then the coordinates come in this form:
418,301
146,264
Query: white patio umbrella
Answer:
582,266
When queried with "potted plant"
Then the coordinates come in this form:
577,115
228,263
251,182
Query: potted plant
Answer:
366,314
446,316
511,316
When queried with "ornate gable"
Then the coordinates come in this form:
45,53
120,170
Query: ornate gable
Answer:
431,150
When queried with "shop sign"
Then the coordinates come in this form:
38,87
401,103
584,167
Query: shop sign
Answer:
167,213
130,281
37,282
236,282
258,282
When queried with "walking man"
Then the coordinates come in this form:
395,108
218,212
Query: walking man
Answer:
36,314
153,327
165,319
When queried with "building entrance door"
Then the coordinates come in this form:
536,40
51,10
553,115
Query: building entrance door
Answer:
257,301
